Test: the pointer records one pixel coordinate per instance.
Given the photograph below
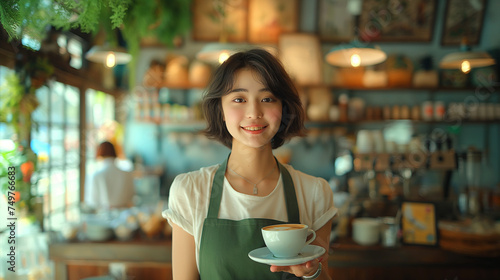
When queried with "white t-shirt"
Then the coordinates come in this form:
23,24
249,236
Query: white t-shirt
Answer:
110,187
190,195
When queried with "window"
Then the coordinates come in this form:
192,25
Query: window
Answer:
57,144
56,141
55,138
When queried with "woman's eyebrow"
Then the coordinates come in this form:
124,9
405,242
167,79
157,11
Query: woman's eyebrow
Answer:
246,90
238,90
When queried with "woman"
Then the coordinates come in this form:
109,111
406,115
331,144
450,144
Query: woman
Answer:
252,107
109,187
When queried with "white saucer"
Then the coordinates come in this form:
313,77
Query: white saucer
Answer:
263,255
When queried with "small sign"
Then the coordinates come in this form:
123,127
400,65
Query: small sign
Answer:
419,223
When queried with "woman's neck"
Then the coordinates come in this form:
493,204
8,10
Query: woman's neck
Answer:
252,162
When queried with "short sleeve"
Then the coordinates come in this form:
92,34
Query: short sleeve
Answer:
180,208
323,207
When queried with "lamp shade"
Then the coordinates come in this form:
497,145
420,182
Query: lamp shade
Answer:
216,53
355,54
100,54
475,59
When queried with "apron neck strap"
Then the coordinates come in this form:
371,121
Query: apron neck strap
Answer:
216,193
292,207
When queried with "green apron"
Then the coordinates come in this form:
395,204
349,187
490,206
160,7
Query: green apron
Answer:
225,244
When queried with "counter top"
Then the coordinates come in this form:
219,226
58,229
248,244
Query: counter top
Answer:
343,253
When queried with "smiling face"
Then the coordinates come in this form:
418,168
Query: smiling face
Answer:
251,112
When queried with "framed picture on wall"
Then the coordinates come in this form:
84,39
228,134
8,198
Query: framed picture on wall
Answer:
301,57
267,19
419,223
335,23
397,21
214,19
463,19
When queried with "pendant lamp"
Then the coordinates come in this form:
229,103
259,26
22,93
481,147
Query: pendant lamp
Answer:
110,56
217,53
466,59
355,53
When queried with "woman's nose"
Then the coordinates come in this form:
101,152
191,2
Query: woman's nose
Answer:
254,111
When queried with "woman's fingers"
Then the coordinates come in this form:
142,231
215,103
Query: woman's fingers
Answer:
299,269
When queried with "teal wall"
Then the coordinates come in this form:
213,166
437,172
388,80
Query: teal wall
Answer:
180,153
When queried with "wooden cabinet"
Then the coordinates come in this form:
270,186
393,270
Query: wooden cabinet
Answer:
85,269
143,259
348,260
416,272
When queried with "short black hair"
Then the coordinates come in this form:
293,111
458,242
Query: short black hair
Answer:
273,76
106,149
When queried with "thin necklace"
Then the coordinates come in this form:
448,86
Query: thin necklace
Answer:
255,190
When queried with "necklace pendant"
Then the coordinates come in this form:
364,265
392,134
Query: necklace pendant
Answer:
255,190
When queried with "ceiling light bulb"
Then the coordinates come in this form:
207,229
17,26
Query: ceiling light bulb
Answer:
465,66
223,57
110,60
355,60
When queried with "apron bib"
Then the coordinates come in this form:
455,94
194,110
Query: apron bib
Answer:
225,244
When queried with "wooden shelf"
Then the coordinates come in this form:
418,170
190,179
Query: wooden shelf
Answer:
419,122
177,125
181,86
199,125
394,89
366,89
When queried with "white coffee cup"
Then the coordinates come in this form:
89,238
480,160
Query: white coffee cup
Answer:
365,231
287,240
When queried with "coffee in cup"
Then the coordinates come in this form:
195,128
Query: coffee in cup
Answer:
287,240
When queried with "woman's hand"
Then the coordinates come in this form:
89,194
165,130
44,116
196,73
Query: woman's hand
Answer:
310,267
299,270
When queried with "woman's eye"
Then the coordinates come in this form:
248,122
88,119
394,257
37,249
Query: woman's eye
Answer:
268,99
238,100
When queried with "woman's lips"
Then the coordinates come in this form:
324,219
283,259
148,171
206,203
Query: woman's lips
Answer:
253,129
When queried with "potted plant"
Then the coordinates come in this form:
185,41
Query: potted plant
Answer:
24,161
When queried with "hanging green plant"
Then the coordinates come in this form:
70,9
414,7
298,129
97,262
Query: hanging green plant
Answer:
18,96
11,94
34,17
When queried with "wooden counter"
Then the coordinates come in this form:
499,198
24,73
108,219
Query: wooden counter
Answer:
146,259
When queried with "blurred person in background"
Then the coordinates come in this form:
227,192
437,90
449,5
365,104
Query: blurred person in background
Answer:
109,187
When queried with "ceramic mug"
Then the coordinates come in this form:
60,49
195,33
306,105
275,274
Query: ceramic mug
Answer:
365,231
287,240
